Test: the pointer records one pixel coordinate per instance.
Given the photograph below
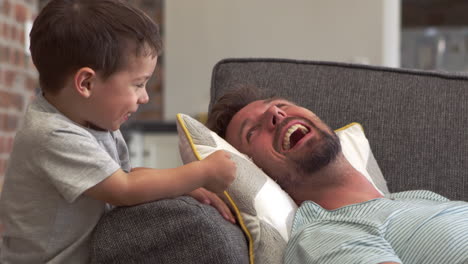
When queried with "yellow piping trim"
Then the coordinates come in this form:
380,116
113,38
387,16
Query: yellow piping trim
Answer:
231,201
349,125
187,135
243,227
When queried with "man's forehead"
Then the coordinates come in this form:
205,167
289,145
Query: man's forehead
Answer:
260,106
243,116
249,110
275,99
256,107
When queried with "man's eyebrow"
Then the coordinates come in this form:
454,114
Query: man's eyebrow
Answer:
274,98
269,100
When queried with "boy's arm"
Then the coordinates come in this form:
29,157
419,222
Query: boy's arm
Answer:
214,173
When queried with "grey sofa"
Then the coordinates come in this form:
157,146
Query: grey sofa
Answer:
416,123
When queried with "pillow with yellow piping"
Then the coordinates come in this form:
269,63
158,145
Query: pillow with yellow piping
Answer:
264,211
356,149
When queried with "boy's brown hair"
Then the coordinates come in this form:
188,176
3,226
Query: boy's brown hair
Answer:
70,34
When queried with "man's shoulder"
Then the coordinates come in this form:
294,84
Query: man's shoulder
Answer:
417,195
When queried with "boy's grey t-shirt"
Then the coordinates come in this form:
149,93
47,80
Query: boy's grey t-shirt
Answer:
54,160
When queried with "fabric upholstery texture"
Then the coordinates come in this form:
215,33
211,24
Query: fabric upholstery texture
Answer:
171,231
416,120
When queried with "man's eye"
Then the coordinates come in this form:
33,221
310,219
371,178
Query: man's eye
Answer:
140,85
250,133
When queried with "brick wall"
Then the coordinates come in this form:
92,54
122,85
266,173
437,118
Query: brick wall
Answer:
18,77
153,110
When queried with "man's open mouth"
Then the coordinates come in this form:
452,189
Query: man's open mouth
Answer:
294,134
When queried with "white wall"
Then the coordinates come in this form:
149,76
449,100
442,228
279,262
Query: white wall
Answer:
202,32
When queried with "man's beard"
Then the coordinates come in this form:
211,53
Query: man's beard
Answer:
314,155
317,155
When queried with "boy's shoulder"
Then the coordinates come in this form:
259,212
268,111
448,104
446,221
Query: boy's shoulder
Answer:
43,122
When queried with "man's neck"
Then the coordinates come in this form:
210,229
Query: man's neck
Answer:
335,186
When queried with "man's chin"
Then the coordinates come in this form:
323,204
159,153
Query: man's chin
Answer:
313,157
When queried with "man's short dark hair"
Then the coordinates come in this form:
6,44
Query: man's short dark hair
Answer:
230,103
101,34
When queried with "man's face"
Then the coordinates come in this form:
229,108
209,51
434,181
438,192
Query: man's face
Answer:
283,139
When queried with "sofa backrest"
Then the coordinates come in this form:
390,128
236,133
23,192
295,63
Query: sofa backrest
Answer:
416,121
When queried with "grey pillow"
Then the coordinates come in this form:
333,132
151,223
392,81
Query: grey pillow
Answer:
171,231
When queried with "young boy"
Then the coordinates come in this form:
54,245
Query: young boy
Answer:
69,160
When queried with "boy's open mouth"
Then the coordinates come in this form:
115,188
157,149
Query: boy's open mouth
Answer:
293,135
127,116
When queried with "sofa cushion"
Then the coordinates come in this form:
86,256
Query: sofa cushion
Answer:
172,231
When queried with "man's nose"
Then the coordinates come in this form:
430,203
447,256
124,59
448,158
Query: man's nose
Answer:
275,115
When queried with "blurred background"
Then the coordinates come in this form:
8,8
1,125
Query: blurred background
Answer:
423,34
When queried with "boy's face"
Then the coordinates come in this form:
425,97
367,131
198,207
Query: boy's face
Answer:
113,100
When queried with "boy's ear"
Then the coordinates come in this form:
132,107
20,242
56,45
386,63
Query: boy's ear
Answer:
84,81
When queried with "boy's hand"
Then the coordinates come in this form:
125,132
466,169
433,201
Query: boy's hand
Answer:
220,169
207,197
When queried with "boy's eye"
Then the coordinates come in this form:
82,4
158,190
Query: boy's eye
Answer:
140,85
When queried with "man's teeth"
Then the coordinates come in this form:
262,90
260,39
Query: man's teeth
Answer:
291,130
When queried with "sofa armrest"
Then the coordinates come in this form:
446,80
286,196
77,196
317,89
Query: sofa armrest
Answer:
179,230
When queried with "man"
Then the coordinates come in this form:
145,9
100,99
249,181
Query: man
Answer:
342,218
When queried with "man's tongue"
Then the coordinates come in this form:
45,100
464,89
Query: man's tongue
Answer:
295,137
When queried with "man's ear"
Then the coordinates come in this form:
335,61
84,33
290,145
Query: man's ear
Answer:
84,81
